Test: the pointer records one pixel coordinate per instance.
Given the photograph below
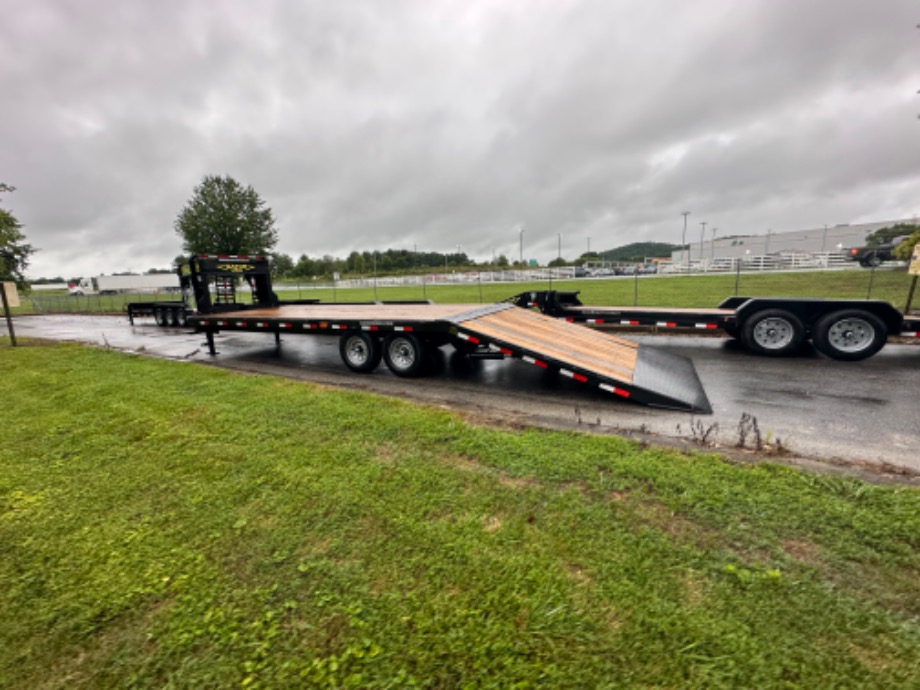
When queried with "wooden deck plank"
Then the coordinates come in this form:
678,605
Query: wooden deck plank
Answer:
579,347
360,312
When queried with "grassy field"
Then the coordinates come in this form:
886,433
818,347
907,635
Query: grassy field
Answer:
167,524
650,291
664,291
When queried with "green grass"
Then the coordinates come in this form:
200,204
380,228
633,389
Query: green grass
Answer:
649,291
166,524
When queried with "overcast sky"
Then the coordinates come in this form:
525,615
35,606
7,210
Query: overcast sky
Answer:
376,124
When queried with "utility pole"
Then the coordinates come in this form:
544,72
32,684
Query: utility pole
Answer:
559,255
702,235
521,231
683,238
713,255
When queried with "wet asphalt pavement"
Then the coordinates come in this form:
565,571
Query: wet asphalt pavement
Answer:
861,414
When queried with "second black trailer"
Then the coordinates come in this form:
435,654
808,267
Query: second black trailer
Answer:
842,329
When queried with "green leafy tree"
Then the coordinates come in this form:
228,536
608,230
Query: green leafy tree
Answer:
887,235
905,250
223,217
14,251
282,265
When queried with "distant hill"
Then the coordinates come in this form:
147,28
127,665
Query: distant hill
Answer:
637,251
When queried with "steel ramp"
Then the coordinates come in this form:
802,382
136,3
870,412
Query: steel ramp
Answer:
640,373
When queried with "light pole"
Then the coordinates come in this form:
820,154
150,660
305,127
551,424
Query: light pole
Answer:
559,254
521,231
683,238
702,235
824,238
713,253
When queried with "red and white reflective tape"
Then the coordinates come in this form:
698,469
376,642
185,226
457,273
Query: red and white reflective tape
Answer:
595,321
370,328
570,319
284,325
310,326
261,324
573,375
613,389
705,325
539,363
666,324
406,329
505,351
468,338
241,324
626,322
338,327
220,323
911,334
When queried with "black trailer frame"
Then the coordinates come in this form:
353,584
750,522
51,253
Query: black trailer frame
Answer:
842,329
403,334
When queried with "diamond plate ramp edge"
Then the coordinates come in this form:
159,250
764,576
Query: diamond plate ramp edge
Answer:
663,379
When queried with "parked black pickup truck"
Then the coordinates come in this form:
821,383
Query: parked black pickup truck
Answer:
870,257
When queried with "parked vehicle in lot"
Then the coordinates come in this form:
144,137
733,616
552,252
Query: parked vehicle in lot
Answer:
843,329
113,285
872,256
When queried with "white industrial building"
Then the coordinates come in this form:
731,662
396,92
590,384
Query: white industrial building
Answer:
824,240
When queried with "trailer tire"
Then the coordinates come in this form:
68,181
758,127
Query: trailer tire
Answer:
182,317
161,317
360,351
773,332
174,317
850,334
404,354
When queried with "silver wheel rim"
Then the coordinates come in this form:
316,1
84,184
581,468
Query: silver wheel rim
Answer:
851,335
402,354
357,352
773,333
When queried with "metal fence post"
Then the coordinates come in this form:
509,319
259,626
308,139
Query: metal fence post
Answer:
737,275
871,280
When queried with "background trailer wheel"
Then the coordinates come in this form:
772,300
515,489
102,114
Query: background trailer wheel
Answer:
404,354
161,317
850,334
774,332
360,351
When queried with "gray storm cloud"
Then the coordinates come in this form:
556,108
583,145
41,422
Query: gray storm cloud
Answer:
368,125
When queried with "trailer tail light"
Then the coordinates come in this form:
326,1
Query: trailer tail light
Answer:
570,319
614,390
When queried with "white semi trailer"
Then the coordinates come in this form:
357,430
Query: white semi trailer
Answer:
111,285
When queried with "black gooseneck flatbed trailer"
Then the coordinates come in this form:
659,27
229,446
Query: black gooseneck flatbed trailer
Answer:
403,334
839,328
